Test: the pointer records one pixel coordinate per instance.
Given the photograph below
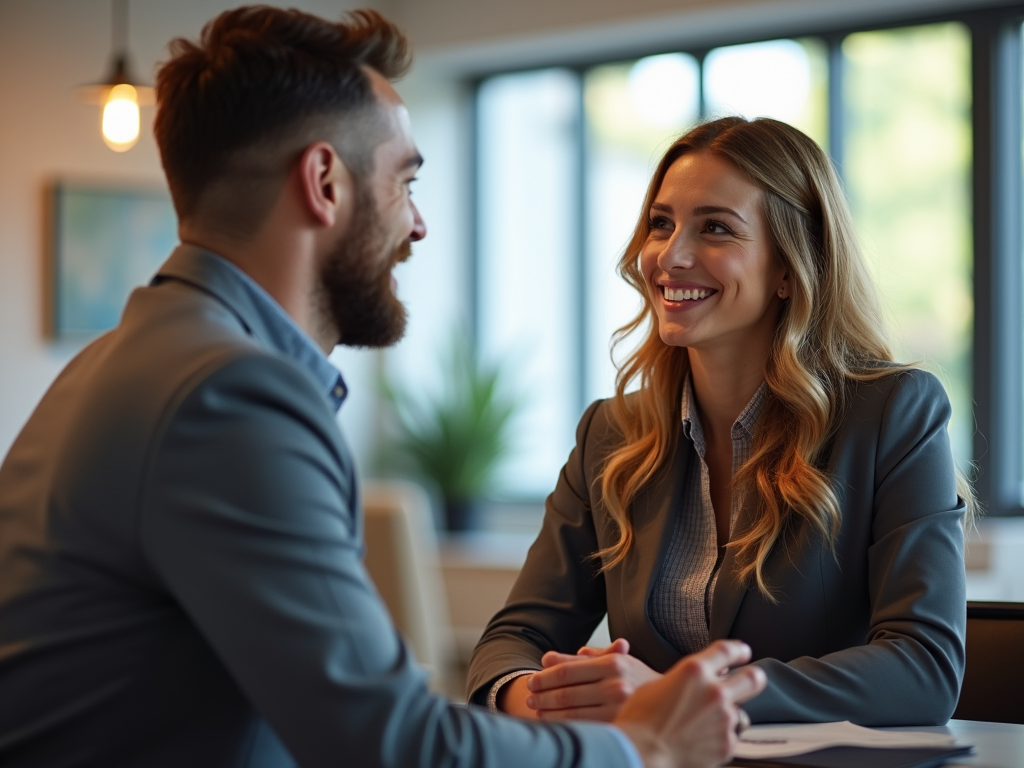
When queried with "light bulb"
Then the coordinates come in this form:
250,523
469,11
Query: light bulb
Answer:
121,118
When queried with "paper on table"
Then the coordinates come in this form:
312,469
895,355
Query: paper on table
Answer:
761,742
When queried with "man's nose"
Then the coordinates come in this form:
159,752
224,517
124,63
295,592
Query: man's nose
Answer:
419,228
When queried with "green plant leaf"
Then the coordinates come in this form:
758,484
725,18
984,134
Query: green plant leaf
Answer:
457,437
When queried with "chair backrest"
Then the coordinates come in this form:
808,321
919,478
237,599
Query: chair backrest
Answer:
993,686
402,559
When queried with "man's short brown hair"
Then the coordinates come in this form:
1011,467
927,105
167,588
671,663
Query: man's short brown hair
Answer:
257,78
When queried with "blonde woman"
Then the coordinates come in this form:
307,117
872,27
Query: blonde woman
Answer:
776,477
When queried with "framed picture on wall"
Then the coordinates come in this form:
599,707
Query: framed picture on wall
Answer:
105,241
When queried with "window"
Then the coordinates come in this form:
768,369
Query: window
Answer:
632,111
527,273
933,173
907,167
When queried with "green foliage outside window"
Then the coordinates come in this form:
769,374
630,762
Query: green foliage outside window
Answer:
907,167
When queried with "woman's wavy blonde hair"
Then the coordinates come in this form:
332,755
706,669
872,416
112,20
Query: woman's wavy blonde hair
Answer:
829,331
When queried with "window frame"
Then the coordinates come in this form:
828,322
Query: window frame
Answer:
997,208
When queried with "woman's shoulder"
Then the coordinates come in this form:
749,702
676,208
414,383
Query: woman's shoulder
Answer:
598,428
598,422
888,388
883,378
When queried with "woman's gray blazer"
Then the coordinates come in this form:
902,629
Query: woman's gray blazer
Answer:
872,632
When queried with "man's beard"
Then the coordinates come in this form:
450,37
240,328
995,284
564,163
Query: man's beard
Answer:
356,281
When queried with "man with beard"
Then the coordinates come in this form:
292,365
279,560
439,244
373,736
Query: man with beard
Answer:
180,549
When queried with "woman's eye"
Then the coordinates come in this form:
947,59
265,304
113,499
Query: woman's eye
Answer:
713,227
660,222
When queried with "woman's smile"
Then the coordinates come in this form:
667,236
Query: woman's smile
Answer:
683,297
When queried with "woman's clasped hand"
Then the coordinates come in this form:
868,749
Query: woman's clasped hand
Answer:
592,684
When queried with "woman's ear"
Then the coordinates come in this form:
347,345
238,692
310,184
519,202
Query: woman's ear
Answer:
327,184
783,289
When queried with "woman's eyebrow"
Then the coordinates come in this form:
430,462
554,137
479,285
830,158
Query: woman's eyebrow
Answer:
701,210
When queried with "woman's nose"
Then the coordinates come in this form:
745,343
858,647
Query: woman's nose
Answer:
678,253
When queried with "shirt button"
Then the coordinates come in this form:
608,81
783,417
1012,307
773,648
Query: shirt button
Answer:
339,391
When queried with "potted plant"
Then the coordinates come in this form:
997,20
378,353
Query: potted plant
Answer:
454,439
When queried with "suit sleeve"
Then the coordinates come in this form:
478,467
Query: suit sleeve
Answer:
249,518
559,597
910,668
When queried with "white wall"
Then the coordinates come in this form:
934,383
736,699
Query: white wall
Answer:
47,47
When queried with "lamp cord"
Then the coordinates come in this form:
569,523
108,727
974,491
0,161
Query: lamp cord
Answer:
119,26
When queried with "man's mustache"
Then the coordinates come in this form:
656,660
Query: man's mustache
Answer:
402,253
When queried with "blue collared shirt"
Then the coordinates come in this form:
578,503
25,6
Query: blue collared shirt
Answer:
288,338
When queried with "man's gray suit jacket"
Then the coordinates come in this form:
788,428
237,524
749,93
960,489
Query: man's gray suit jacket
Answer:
872,631
181,580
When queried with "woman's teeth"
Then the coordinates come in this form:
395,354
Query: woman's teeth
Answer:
687,294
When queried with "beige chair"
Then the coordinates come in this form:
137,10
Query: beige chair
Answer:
402,559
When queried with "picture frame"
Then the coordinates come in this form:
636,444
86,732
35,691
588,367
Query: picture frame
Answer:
105,240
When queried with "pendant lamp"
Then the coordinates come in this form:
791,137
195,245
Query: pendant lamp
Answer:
120,92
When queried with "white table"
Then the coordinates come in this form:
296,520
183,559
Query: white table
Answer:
996,745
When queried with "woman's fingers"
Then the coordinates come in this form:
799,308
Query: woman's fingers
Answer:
591,687
597,694
619,645
576,670
551,658
605,713
554,658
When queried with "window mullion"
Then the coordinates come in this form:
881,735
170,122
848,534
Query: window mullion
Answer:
998,380
581,261
836,103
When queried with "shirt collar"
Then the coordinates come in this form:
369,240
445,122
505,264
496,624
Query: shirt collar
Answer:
743,427
263,317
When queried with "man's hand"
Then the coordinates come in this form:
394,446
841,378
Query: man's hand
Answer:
688,717
592,685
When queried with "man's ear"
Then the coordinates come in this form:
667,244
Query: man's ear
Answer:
327,184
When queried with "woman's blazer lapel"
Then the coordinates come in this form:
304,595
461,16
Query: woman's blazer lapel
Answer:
654,512
729,590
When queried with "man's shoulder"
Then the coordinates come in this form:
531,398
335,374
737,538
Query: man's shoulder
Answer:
174,346
178,333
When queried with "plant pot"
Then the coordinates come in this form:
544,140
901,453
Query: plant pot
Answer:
461,515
